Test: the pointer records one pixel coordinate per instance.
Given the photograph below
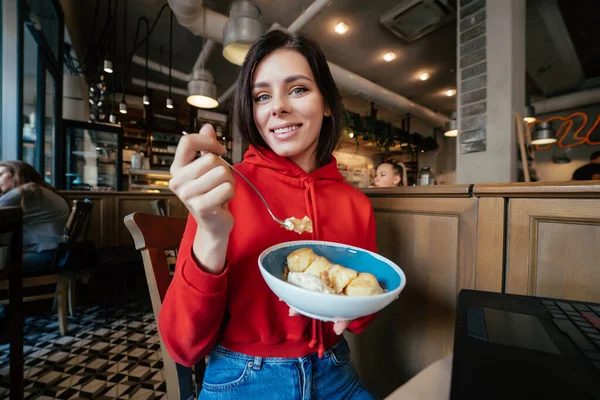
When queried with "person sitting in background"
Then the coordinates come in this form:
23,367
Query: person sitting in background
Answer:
590,171
388,175
45,214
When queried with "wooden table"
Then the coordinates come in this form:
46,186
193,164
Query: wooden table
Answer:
433,383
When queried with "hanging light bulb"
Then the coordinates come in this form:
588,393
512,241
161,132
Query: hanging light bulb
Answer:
146,100
529,114
112,118
108,66
544,135
123,107
451,127
202,92
242,29
169,103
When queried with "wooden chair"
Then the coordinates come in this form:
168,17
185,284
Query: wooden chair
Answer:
11,255
153,234
65,258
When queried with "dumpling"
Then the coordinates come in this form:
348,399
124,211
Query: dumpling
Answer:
364,284
309,282
321,264
340,276
300,259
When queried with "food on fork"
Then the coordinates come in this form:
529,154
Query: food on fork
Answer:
299,260
316,273
299,225
364,284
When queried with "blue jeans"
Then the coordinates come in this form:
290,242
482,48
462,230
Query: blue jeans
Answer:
231,375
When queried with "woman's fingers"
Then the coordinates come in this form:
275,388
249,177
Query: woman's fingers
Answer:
189,146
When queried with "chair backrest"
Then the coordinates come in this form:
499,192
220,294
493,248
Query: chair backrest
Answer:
11,245
159,207
153,234
78,223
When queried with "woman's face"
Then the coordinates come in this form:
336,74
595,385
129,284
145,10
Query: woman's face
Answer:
6,180
386,176
288,106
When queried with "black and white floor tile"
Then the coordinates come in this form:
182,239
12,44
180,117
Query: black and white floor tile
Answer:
108,353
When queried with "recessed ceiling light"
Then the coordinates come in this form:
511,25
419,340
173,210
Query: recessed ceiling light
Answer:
341,28
389,56
424,76
450,92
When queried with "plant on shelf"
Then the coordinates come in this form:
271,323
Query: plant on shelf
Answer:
384,134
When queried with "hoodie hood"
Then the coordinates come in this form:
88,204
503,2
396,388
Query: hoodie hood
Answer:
285,169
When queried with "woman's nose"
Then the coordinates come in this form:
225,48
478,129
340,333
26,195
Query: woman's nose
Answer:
281,105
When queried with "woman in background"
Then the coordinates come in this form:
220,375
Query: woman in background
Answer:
389,175
45,214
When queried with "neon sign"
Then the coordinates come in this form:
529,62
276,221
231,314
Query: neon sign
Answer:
567,127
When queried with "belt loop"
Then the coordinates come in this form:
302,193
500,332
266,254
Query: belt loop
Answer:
257,363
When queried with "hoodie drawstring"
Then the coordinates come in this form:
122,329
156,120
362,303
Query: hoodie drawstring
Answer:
310,202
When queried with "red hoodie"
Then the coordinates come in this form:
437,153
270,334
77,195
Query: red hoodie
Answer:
236,308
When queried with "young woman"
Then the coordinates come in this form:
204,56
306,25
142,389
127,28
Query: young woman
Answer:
289,110
388,175
45,214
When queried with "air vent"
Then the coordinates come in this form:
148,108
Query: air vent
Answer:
413,19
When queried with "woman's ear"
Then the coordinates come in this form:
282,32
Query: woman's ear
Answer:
327,111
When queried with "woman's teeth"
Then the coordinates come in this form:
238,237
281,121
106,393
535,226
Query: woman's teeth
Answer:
286,129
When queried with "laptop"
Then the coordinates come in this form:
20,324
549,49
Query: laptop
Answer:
525,347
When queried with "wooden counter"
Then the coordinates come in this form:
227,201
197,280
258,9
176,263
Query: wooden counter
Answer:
538,239
110,208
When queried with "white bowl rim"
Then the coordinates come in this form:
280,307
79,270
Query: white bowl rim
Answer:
392,293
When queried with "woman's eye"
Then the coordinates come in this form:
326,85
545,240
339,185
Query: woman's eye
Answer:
262,97
299,90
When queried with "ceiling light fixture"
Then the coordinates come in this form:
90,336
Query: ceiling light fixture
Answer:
450,92
341,28
123,107
529,114
544,135
451,127
146,98
242,29
424,76
202,92
170,99
108,67
389,56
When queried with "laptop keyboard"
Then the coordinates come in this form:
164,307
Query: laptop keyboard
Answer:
581,323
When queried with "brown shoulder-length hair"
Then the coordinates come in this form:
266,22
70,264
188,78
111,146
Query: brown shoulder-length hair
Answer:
243,103
26,179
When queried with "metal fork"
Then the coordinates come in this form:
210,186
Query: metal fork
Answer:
288,224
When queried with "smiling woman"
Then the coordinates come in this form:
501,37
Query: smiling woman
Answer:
288,109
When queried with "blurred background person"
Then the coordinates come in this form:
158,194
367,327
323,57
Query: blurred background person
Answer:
45,214
590,171
390,174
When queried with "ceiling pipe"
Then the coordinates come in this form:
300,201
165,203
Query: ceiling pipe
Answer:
158,86
228,93
163,69
204,22
204,54
308,14
567,101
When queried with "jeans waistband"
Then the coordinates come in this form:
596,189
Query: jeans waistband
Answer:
260,360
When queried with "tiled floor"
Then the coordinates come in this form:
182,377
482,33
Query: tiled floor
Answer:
109,353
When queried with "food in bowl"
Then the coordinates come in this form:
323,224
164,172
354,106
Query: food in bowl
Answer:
316,273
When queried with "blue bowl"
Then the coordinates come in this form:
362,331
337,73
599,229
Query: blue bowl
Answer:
328,307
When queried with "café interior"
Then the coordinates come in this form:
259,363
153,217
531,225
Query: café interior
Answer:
96,94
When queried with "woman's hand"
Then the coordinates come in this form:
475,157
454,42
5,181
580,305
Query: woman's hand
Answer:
339,327
205,185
